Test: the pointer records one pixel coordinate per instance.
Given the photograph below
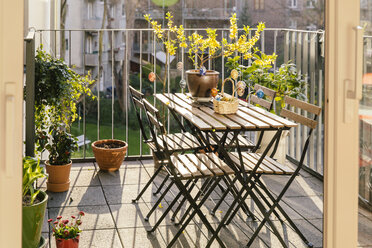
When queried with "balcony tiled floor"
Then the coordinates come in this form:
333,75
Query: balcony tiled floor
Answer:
112,220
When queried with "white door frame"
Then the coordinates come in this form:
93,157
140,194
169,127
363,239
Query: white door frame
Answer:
342,93
11,102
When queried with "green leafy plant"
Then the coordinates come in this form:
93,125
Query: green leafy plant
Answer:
66,229
60,145
58,89
31,172
286,81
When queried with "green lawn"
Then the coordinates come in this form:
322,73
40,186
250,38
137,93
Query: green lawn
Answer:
105,133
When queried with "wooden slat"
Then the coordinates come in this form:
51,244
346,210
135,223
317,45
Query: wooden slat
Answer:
153,120
180,142
138,103
252,119
184,140
264,103
299,118
135,92
189,165
219,163
228,122
261,117
185,173
207,118
287,123
242,122
267,163
208,163
185,113
303,105
200,166
262,166
248,165
283,167
149,107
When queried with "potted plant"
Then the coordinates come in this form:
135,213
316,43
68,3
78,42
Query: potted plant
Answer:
33,204
109,153
202,49
58,90
60,146
67,232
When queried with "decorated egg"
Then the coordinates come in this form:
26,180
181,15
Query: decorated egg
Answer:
179,66
234,74
202,71
152,77
183,83
260,93
240,91
241,85
214,92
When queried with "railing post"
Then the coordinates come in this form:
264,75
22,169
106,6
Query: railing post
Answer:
30,94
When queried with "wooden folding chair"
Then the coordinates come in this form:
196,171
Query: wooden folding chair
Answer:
256,164
185,170
177,142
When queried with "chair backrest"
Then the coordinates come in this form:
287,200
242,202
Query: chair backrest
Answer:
298,104
137,101
154,116
269,93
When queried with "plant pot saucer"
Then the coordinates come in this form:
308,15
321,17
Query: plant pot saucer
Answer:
58,187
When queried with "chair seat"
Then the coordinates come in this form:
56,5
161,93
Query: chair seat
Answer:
177,142
268,165
243,142
200,165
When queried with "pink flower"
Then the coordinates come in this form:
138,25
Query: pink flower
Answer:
65,222
55,222
66,232
79,222
50,220
59,217
72,216
81,213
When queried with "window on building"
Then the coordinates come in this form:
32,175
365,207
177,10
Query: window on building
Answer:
292,23
293,4
259,4
66,44
123,10
88,45
112,11
90,10
311,3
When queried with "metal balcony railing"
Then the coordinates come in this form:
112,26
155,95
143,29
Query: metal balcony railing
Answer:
110,116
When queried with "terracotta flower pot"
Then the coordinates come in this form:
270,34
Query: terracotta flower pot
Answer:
68,243
59,177
200,86
109,159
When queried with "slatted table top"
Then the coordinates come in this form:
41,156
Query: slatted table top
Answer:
202,115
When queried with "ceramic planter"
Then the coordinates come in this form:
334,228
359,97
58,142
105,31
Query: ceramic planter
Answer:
32,222
59,177
68,243
200,86
109,159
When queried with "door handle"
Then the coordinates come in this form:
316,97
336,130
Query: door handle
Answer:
10,120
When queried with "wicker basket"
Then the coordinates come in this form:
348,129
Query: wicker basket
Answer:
226,107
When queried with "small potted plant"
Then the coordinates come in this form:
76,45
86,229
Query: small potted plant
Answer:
33,204
67,232
202,49
109,153
60,146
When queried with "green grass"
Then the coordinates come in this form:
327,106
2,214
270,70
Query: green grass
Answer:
105,133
